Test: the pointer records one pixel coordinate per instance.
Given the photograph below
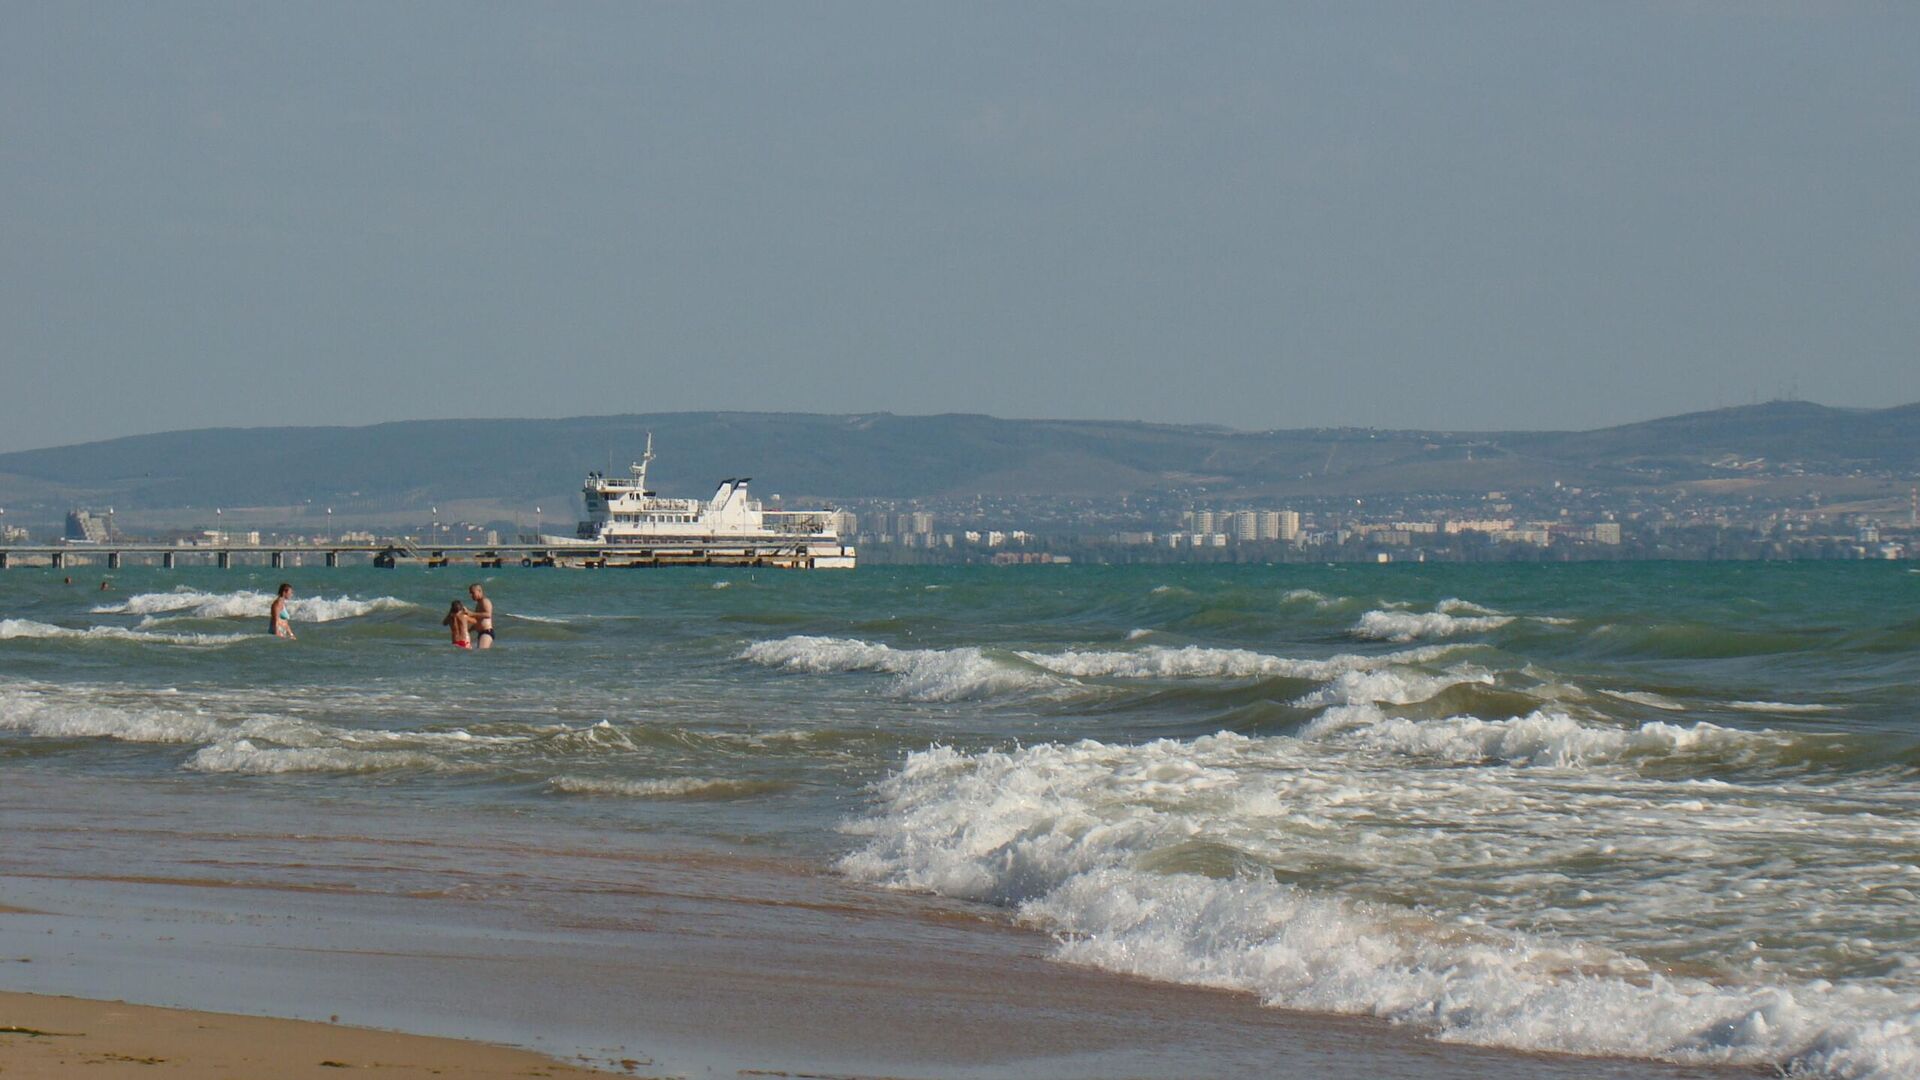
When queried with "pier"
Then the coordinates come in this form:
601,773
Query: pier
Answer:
777,554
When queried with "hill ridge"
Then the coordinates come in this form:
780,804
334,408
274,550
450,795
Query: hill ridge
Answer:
886,455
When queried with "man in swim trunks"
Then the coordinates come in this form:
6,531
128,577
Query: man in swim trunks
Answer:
277,622
483,616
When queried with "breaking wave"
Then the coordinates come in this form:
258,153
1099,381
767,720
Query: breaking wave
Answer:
1541,738
969,672
678,787
11,629
249,604
919,674
1148,860
56,717
1779,707
243,757
1403,626
1195,661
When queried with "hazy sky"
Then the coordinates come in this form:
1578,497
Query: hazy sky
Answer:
1262,215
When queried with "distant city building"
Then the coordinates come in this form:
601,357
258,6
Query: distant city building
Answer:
83,526
1491,526
1607,532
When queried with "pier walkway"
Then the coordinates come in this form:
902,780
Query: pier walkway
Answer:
114,556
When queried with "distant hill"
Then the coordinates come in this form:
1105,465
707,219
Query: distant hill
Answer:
410,464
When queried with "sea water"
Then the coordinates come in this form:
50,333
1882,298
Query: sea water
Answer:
1658,810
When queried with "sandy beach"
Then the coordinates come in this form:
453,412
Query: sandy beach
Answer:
58,1037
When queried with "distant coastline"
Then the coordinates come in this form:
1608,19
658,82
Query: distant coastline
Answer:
1782,480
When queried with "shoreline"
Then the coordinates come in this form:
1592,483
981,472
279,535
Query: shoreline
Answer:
51,1036
599,948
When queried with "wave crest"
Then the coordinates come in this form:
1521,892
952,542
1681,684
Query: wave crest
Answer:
11,629
1085,841
248,604
678,787
920,674
1402,626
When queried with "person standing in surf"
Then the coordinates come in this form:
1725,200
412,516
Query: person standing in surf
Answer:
460,621
278,624
482,616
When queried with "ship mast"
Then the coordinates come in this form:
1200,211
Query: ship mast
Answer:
640,470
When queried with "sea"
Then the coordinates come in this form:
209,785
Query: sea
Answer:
1643,810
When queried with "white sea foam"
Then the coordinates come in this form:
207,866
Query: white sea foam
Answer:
1541,738
920,674
28,628
1087,841
1321,601
1453,605
968,673
1384,625
251,604
1646,697
244,757
1196,661
678,787
1397,686
56,715
1780,707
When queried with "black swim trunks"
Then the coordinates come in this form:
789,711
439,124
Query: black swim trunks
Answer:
487,630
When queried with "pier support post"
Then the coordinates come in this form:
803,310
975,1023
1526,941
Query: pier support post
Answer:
333,559
57,560
113,560
3,560
279,560
166,560
224,560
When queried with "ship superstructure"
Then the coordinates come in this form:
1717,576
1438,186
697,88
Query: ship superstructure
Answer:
624,513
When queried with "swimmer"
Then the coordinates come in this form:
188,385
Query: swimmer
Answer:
483,616
461,621
277,622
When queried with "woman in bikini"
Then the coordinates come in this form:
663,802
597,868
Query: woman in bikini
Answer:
277,621
461,621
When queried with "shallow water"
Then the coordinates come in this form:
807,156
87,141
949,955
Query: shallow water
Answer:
1655,810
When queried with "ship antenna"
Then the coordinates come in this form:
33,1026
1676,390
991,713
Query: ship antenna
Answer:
645,460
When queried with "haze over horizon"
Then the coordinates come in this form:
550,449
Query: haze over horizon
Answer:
1397,216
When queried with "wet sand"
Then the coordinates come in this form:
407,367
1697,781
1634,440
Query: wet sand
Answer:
609,948
55,1037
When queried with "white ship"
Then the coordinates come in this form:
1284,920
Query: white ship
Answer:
626,519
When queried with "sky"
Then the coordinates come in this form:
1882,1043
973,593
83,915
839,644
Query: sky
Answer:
1455,216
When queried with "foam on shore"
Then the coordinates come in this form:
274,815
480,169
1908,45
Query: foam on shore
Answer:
1152,860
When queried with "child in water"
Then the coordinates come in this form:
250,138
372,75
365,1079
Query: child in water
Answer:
461,620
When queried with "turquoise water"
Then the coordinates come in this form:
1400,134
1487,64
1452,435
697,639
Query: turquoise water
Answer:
1660,810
